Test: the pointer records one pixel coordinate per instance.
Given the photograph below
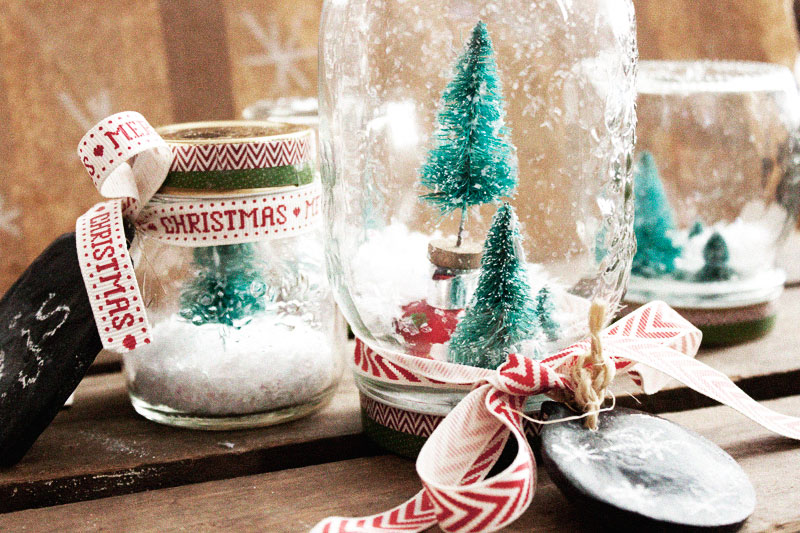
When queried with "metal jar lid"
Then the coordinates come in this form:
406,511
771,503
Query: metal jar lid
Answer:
231,156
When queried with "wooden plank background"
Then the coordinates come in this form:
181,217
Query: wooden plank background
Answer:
64,64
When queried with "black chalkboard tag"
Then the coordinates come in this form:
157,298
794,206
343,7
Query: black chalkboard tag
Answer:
48,340
639,472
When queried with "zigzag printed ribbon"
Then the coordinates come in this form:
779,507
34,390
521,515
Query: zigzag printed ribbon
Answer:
455,460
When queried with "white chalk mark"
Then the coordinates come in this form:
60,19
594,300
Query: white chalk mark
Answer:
283,54
34,347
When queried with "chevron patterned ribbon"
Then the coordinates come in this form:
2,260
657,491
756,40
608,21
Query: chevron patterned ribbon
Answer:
285,150
461,451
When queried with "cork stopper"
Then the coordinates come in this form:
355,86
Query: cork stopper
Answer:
444,253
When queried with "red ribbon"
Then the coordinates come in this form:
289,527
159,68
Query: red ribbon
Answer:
456,458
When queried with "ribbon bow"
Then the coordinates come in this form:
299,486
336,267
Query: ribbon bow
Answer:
461,451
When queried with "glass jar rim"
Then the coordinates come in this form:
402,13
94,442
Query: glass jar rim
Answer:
712,76
230,132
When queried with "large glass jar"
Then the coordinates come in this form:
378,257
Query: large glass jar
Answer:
567,75
244,334
717,190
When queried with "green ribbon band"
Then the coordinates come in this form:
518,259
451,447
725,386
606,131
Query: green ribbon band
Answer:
252,178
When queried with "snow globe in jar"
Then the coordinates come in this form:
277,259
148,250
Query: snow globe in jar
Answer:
717,187
476,167
232,270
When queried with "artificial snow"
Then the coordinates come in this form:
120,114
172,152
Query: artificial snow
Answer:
216,370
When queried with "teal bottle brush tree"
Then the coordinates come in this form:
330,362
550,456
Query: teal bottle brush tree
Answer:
545,311
227,289
473,161
716,255
653,223
502,314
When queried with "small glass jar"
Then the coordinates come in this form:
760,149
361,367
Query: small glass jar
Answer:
244,334
717,186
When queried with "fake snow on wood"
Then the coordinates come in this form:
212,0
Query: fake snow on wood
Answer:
216,370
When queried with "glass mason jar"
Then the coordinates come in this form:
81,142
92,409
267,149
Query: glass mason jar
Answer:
567,78
717,190
244,334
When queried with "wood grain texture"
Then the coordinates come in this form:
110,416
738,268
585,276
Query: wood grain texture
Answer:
101,447
294,500
755,30
196,41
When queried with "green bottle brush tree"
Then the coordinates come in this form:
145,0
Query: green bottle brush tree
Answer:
227,289
473,161
502,313
653,223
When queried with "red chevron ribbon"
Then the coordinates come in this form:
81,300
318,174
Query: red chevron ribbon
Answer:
462,449
280,151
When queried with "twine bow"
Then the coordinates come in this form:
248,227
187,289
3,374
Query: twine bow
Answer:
457,457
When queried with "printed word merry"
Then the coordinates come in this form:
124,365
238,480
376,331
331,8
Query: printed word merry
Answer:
133,129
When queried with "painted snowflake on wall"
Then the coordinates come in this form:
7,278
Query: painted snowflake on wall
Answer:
95,108
283,52
8,219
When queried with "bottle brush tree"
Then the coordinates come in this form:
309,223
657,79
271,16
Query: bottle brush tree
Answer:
653,222
227,289
716,255
472,161
502,312
545,309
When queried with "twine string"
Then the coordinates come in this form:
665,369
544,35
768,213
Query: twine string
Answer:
593,372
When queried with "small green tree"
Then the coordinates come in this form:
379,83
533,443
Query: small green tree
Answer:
545,309
228,288
473,161
653,222
697,229
716,256
501,314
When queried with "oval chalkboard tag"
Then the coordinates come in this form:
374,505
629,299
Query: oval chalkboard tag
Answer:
48,340
639,472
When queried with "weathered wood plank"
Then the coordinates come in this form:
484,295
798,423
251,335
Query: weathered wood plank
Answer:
293,500
101,447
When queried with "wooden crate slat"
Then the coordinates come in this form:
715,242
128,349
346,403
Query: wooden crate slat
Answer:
101,447
293,500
